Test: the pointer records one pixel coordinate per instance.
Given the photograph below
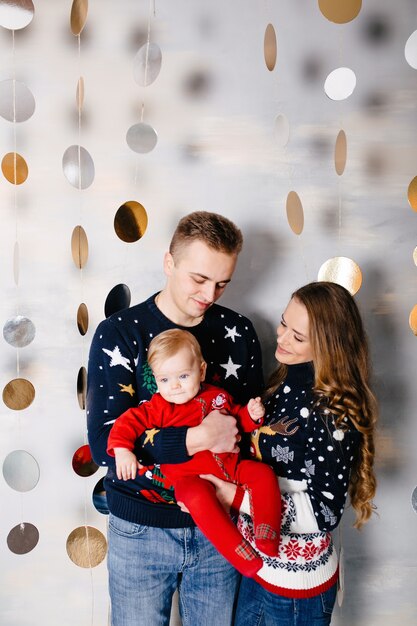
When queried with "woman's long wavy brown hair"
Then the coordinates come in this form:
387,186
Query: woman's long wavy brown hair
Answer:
342,373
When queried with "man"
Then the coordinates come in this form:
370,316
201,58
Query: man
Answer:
155,548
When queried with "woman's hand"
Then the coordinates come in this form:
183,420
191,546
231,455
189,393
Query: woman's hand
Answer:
225,491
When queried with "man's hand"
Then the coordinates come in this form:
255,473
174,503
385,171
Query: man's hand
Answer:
217,432
126,464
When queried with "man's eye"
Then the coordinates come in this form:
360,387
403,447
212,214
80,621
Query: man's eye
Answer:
199,281
221,285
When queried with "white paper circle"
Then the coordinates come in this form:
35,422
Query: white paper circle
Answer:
340,83
78,167
21,471
17,103
147,64
282,130
410,50
141,138
16,14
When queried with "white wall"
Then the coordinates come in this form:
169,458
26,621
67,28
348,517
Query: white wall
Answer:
216,151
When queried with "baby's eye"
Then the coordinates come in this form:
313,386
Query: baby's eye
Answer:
183,376
163,380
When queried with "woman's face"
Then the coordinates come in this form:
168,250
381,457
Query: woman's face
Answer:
293,335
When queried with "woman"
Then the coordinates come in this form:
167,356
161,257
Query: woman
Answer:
318,437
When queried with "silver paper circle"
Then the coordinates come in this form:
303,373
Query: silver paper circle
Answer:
23,538
16,14
141,138
17,103
20,470
147,64
78,167
410,50
19,331
414,499
340,83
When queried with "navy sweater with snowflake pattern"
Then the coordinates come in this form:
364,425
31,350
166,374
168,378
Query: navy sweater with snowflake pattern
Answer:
312,458
119,377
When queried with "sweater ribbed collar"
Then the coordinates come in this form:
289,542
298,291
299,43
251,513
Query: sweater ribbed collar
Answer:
301,374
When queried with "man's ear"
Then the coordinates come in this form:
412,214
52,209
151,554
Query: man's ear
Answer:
168,263
203,369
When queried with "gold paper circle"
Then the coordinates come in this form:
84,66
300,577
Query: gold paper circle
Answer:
131,221
270,47
14,168
340,11
80,93
18,394
413,319
295,213
82,387
86,546
340,153
79,12
412,193
82,319
79,246
82,462
343,271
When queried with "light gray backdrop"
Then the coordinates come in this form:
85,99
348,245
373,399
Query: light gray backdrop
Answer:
214,107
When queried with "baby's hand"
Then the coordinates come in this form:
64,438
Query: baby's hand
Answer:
256,409
126,463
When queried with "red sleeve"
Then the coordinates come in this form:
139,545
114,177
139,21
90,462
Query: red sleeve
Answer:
244,420
129,426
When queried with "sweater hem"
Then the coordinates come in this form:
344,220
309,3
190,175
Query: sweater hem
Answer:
148,514
298,593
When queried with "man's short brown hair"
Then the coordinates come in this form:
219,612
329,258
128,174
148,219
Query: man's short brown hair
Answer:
216,231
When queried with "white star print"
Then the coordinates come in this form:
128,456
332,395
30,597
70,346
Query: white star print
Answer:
231,333
117,358
231,368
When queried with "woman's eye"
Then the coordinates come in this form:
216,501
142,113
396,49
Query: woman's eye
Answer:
298,339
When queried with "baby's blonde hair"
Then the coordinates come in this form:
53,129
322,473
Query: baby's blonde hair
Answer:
169,342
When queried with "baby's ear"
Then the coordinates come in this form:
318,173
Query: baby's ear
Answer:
203,369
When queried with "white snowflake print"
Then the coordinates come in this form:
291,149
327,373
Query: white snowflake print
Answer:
287,389
231,333
304,412
328,514
282,455
310,468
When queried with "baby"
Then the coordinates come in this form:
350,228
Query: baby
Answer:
183,399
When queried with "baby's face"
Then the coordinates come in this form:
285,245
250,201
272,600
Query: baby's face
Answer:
179,377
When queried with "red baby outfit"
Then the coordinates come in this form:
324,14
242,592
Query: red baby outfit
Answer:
199,495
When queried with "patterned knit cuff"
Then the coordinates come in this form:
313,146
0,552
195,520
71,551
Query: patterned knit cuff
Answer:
173,448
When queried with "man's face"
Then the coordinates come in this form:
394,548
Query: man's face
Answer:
196,278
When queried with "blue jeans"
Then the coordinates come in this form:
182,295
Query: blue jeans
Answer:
147,564
259,607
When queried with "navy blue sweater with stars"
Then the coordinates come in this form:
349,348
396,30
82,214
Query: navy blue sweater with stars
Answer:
119,377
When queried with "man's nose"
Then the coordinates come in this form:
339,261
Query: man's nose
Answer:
209,290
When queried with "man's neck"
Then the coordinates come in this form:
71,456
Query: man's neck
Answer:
165,304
